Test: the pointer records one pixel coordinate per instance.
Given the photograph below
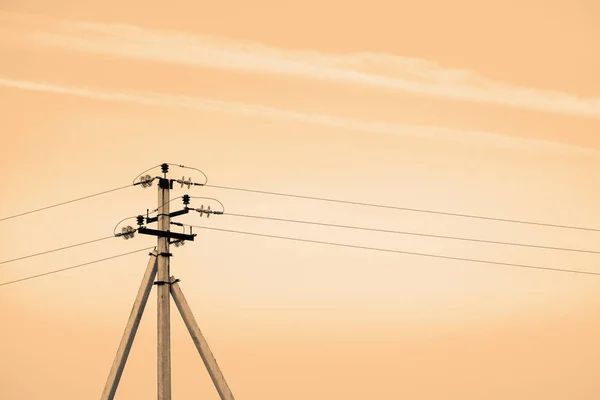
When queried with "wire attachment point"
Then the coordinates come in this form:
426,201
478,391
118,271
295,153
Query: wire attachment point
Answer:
202,211
146,181
127,232
183,182
208,211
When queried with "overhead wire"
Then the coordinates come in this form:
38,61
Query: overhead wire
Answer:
429,255
179,197
467,239
419,210
55,250
119,223
65,202
175,165
328,225
73,267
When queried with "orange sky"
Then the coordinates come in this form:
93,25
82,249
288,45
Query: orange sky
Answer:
462,107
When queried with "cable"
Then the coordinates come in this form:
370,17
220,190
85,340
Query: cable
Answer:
401,252
176,165
211,198
516,221
55,250
195,169
149,169
118,223
74,266
64,202
179,197
415,234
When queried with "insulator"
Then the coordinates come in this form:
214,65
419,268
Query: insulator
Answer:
127,232
183,182
165,168
140,220
186,199
208,212
146,181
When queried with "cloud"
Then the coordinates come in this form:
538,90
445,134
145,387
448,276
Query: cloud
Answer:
384,71
323,120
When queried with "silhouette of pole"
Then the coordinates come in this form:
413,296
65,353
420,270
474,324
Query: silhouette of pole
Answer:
159,268
163,290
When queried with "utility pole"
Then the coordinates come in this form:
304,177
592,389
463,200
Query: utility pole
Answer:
167,285
164,289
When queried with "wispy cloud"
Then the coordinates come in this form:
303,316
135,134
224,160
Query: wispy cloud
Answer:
385,71
323,120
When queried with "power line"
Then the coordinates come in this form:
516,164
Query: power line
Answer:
414,233
74,266
400,251
55,250
64,202
482,217
175,165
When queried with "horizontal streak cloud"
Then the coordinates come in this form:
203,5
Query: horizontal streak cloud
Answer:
384,71
251,110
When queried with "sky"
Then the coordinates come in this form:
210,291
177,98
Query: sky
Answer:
466,107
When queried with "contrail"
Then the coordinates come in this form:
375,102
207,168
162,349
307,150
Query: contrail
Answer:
324,120
383,71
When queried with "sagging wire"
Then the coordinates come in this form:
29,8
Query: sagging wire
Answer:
127,232
175,165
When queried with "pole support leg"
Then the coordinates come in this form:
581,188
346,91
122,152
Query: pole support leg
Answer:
201,344
130,330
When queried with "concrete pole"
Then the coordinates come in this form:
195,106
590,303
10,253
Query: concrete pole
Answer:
130,330
201,344
163,294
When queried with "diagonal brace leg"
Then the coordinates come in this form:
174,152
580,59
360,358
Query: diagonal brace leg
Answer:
130,330
201,344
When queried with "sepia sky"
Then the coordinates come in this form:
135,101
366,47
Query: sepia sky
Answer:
468,107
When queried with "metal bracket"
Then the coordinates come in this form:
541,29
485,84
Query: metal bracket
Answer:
164,183
167,234
160,283
171,215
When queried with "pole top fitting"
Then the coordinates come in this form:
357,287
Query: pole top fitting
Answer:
165,168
